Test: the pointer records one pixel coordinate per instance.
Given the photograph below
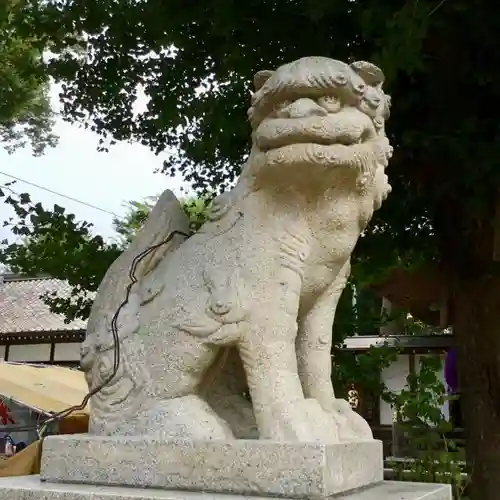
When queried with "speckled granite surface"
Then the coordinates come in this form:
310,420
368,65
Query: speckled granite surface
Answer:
30,488
241,467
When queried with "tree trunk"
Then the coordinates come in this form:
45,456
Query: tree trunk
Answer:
477,328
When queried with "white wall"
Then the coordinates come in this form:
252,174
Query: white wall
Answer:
67,352
29,352
394,377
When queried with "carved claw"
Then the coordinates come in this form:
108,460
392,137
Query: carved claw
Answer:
351,425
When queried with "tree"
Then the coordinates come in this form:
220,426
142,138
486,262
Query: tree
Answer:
444,173
128,225
52,242
138,211
26,116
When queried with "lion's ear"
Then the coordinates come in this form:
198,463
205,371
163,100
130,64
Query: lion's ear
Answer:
370,73
261,77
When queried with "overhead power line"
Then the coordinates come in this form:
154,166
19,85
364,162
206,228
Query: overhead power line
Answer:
59,194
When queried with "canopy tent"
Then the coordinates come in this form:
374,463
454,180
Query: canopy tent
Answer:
46,390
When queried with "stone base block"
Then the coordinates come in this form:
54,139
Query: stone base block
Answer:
30,488
242,467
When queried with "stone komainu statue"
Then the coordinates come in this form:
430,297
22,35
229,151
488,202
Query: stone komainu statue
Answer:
248,302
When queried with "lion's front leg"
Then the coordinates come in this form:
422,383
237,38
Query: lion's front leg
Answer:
273,382
270,363
314,342
314,345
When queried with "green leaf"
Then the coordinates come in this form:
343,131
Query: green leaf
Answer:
24,198
26,117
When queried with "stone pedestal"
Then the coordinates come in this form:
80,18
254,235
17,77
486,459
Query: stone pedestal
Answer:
84,467
241,467
30,488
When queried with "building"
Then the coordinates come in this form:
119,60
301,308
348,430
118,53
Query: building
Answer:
29,331
411,349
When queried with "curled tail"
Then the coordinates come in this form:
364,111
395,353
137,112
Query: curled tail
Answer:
166,217
164,230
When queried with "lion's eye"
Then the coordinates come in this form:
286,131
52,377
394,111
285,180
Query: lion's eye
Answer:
359,88
340,79
330,103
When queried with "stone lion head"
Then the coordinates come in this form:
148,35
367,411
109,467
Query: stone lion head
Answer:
319,112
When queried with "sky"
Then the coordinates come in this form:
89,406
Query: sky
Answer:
75,168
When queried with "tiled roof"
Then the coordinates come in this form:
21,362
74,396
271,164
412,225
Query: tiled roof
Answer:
23,310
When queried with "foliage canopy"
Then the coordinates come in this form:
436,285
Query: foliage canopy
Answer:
26,116
432,52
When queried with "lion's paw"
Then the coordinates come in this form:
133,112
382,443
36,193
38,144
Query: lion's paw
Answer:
351,425
303,421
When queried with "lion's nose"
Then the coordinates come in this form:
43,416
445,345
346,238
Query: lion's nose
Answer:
302,108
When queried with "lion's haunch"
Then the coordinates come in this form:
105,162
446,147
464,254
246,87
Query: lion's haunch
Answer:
341,128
